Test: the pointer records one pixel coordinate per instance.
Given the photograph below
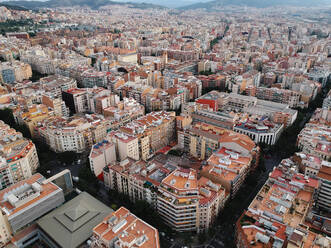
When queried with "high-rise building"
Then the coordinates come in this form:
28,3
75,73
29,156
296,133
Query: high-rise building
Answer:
178,200
324,192
188,204
18,157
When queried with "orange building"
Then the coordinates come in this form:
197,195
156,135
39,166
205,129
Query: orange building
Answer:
123,229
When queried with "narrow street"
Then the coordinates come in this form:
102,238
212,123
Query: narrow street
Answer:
225,223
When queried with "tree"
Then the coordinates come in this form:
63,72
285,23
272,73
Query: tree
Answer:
202,237
6,115
87,180
67,157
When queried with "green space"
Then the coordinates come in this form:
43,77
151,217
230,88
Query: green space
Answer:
15,25
36,76
23,25
206,73
214,41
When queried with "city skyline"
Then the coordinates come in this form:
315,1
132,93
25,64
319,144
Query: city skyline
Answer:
136,125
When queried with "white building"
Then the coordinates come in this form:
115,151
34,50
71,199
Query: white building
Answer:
260,133
101,155
127,146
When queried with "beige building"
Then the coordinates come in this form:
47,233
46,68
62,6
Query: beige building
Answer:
137,179
184,202
18,157
154,131
32,116
188,204
76,133
127,146
55,103
201,140
212,198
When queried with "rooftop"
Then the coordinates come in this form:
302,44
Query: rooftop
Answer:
72,223
25,194
129,230
182,179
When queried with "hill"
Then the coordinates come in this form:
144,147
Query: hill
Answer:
254,3
93,4
13,7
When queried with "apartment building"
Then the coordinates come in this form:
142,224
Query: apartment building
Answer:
14,71
309,165
280,209
228,168
327,101
92,78
7,74
102,154
212,198
127,146
290,97
55,84
323,201
94,100
137,179
154,131
142,181
18,156
39,61
56,104
178,200
32,115
201,140
314,138
76,99
123,229
188,204
76,133
124,111
24,202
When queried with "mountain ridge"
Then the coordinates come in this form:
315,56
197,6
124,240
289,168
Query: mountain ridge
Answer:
93,4
253,3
